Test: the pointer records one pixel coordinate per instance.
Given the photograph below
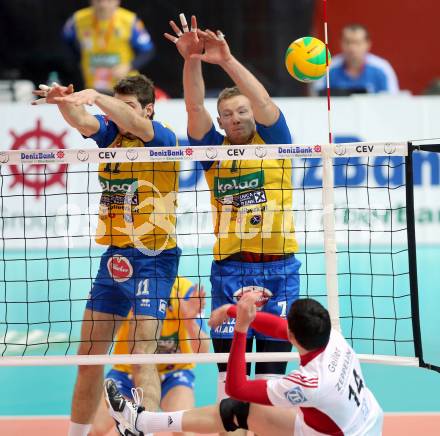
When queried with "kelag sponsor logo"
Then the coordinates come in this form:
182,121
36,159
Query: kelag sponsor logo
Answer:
114,191
234,185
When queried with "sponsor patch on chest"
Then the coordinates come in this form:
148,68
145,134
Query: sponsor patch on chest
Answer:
224,186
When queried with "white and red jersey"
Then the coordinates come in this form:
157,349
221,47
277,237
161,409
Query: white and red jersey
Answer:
330,390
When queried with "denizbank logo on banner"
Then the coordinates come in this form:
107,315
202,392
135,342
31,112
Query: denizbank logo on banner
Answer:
233,185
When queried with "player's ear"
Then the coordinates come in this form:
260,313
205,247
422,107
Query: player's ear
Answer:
220,123
149,110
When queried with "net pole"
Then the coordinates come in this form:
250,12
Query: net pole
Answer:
328,207
412,257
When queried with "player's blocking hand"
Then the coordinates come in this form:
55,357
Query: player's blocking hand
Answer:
246,311
87,96
48,93
187,41
216,48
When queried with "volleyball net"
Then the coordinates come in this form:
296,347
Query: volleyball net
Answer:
353,213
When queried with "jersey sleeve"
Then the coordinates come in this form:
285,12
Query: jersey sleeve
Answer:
237,385
277,133
388,80
69,32
106,133
298,388
163,136
212,137
140,38
266,323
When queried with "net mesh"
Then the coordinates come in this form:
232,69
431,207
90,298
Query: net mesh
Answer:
49,258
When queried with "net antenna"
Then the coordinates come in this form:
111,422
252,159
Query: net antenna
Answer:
328,203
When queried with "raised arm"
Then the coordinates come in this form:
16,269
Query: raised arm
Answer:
118,111
237,385
217,52
266,323
188,43
76,116
199,119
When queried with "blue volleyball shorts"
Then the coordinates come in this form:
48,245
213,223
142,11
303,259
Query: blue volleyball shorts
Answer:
278,282
129,279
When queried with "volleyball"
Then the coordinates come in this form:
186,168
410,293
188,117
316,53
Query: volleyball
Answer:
305,59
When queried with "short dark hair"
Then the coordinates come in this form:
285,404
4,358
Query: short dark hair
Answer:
354,27
227,93
310,322
140,86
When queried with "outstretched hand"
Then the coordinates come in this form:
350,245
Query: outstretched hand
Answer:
187,41
216,48
87,96
48,94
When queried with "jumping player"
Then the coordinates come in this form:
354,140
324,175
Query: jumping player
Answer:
136,224
327,395
251,200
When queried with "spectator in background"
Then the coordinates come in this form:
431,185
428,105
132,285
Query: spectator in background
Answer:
356,70
110,41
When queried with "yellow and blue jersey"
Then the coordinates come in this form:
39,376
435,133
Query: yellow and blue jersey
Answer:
103,44
252,199
138,199
174,336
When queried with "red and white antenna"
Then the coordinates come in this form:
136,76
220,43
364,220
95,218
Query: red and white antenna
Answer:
330,135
